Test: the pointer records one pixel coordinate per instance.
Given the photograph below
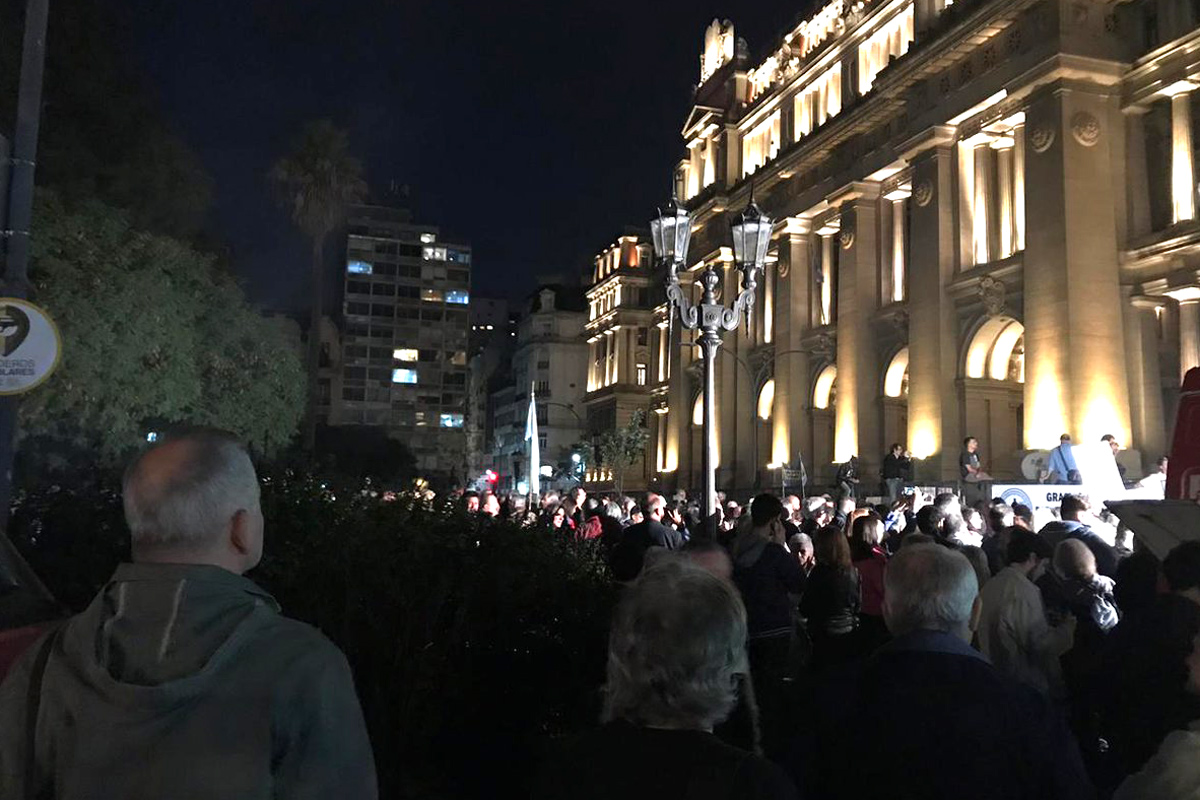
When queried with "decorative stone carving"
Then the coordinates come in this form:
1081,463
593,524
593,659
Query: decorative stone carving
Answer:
823,346
991,294
923,192
900,325
846,239
783,266
1040,138
1085,128
761,357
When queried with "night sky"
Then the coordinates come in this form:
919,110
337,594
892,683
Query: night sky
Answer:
533,130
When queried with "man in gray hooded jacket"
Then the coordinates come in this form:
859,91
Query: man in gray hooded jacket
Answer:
181,679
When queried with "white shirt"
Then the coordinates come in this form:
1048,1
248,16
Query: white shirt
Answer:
1014,634
1172,774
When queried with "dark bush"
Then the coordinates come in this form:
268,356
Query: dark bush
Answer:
472,643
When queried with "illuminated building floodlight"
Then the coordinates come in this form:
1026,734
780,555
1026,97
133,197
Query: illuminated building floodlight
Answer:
1184,293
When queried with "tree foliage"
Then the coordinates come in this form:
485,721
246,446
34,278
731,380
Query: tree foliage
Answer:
465,636
316,182
152,335
102,135
623,447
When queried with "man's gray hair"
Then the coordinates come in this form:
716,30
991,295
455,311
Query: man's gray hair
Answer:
928,587
677,649
191,503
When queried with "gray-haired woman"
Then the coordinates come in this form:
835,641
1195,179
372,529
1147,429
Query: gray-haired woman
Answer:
676,656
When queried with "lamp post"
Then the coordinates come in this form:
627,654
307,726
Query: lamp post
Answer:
671,232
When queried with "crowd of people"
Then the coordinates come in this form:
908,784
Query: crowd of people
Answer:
925,648
786,647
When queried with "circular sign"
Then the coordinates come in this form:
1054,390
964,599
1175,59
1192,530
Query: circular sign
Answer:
1018,495
29,346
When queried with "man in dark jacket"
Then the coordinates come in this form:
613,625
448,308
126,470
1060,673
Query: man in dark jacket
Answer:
928,717
1074,512
627,557
769,578
896,471
182,679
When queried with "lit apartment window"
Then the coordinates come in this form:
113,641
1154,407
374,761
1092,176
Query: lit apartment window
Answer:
641,374
451,420
428,238
358,267
458,296
431,295
404,376
405,354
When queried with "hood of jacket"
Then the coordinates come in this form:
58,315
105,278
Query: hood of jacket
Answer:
155,624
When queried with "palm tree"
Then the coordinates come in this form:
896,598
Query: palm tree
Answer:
316,182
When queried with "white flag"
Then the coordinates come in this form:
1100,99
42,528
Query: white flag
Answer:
535,450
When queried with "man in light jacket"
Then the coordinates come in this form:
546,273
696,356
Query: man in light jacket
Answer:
1013,631
182,679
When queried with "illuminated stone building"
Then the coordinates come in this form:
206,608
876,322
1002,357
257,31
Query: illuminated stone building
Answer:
404,343
547,356
986,225
628,356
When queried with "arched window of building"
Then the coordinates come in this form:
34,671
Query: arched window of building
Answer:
825,391
766,399
997,351
895,380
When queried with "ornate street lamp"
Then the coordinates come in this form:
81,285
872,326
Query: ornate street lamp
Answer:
671,232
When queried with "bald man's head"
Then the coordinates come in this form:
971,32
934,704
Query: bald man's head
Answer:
189,495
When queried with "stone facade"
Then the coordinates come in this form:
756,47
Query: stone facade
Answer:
986,225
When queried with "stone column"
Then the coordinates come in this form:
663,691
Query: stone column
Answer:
610,358
827,278
1075,368
791,433
857,427
743,433
591,384
965,203
1018,186
1004,196
679,412
1145,376
1183,172
1189,335
1137,172
898,266
934,428
981,216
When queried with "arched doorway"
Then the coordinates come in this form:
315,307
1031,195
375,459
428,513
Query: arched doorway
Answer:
824,399
895,400
993,394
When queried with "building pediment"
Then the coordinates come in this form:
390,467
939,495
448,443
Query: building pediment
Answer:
700,118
